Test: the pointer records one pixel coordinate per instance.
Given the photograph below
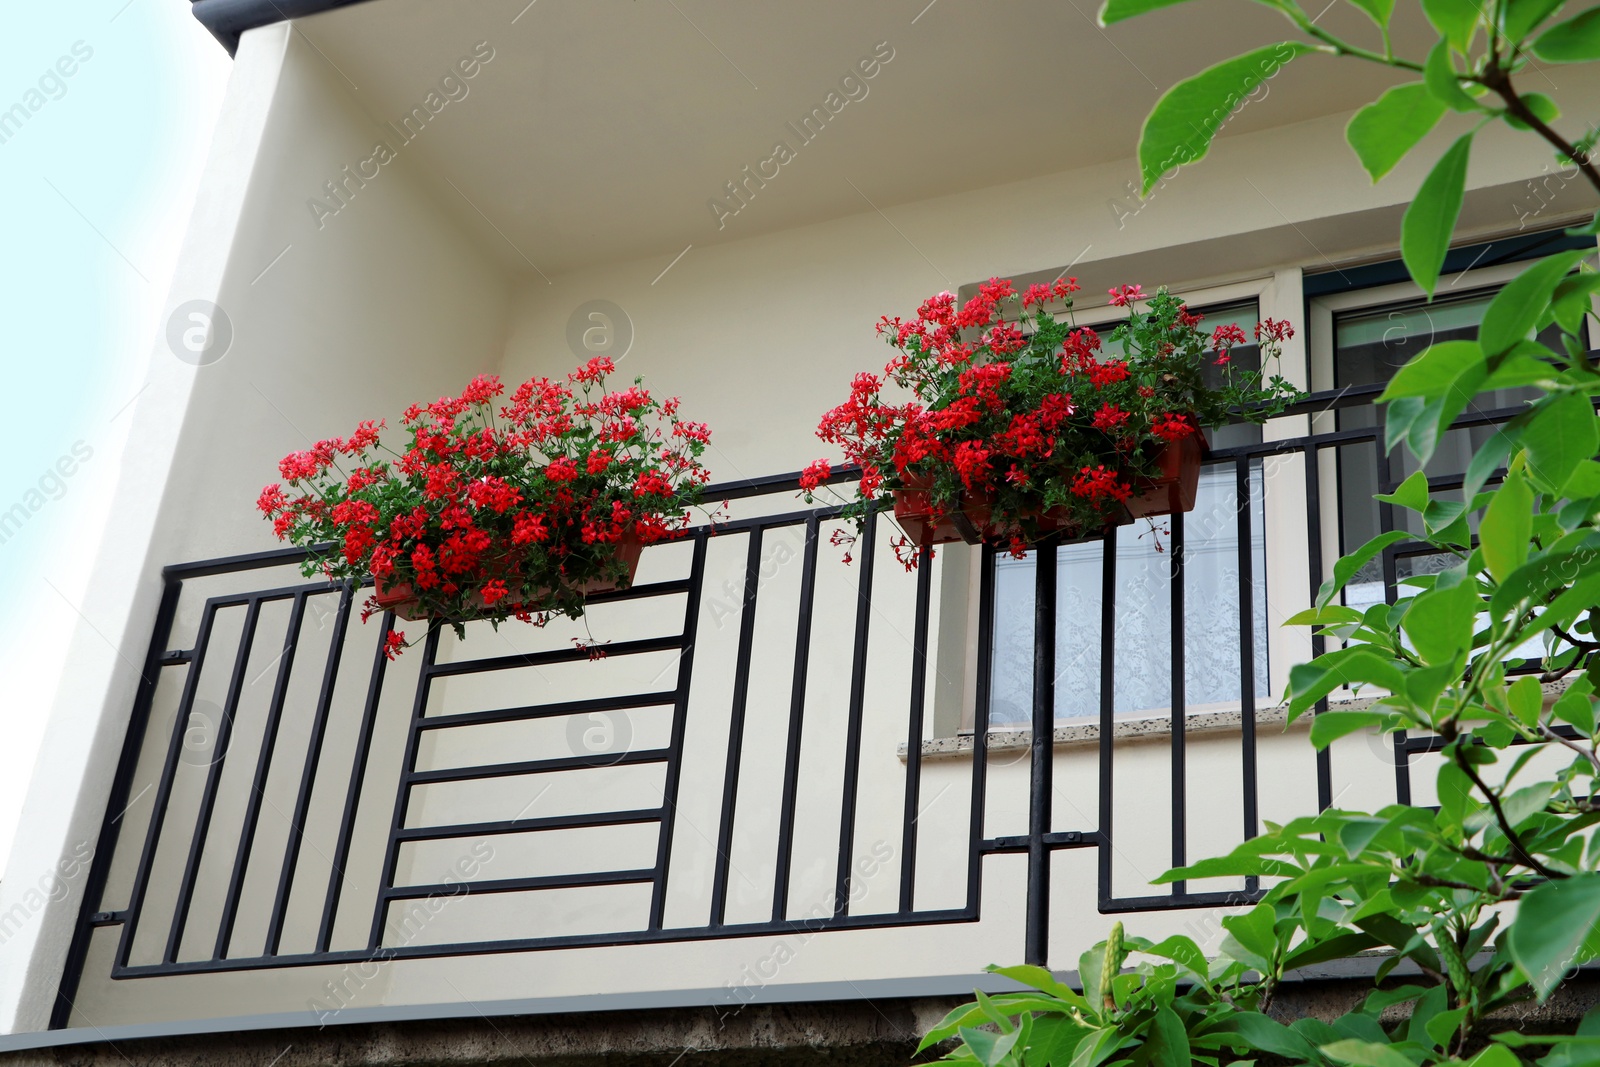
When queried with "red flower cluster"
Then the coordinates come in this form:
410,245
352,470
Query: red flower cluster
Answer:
497,514
1030,421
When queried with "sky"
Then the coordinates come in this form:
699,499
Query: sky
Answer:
98,170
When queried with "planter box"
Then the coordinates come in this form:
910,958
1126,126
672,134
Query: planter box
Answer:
1173,489
403,600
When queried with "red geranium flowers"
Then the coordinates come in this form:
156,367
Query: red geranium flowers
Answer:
1032,423
496,511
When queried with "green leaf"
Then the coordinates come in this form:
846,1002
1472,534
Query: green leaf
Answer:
1040,979
1515,310
1117,10
1576,40
1456,20
1310,682
1521,16
1377,10
1347,566
1489,457
1411,493
989,1048
1182,951
1329,726
1575,707
1440,622
1443,1027
1572,298
1332,615
1399,418
1270,1036
1386,129
1431,218
1365,1054
1180,127
1433,370
1439,75
1539,106
1551,925
1169,1041
1494,1056
1570,572
1251,938
1526,697
1507,526
1560,435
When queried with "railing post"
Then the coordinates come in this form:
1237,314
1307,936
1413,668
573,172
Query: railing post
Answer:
1043,744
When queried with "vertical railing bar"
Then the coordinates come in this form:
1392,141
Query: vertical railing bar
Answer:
1402,765
402,796
169,771
1041,776
1386,523
980,728
208,797
352,796
680,725
797,706
1180,707
308,773
919,683
1318,642
258,785
741,691
1108,703
117,801
1247,656
852,738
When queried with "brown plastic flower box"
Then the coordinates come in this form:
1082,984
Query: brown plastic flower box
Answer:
402,599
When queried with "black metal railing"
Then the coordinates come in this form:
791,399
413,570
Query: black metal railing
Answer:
119,904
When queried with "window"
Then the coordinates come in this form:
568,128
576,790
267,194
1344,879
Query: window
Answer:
1354,341
1144,631
1369,345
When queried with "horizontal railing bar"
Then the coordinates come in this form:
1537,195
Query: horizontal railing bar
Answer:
548,711
1172,901
535,944
559,655
539,766
639,592
514,885
518,826
262,596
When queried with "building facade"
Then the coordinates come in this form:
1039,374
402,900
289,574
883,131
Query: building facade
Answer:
764,774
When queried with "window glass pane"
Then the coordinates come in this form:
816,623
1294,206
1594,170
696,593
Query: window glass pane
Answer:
1143,615
1370,345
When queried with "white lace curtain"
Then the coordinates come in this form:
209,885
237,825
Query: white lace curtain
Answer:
1143,616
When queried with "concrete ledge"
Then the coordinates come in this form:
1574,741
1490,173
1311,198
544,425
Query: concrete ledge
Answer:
846,1033
861,1033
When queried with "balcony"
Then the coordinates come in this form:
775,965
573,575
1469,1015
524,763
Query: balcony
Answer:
730,752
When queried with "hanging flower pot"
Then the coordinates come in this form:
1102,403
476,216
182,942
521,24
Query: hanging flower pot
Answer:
926,525
1176,483
1007,432
405,601
496,510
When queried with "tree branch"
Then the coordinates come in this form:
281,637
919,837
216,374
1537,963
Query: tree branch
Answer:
1499,81
1518,849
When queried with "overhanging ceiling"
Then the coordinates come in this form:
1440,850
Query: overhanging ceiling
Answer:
607,130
